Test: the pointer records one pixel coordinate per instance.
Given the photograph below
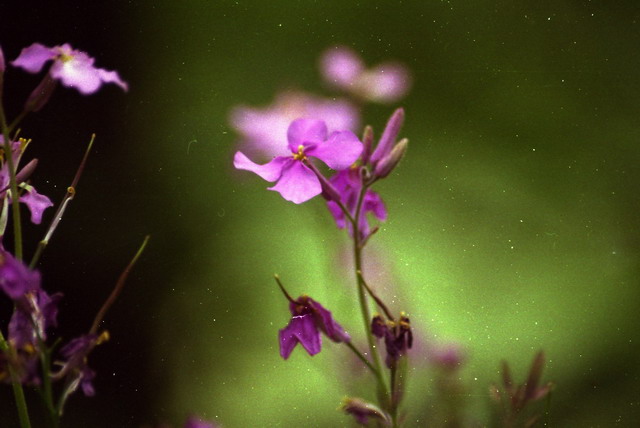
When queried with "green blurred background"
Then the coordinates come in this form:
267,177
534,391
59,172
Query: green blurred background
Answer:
513,221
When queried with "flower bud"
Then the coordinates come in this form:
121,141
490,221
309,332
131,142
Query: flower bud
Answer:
40,94
389,136
390,161
367,142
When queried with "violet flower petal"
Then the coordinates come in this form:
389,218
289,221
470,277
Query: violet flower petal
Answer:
301,329
339,152
297,183
36,203
330,327
32,58
16,279
303,132
270,171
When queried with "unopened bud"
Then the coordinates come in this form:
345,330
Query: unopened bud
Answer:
367,142
40,94
389,136
26,171
389,162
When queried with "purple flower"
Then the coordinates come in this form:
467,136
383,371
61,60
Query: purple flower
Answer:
72,67
35,201
75,353
309,319
16,279
264,129
34,314
349,184
307,138
342,68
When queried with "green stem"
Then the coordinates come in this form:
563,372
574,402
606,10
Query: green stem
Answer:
383,392
18,392
15,206
363,359
45,360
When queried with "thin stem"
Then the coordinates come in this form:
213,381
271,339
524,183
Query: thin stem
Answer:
117,289
383,392
15,205
379,302
363,359
45,360
71,192
18,392
284,291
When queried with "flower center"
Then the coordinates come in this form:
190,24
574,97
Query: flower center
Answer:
300,155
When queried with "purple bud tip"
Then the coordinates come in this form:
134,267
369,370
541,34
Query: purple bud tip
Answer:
390,161
389,136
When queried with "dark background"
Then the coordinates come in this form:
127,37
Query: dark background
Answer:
493,80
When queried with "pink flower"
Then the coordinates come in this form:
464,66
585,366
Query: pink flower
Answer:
307,138
344,69
264,129
72,67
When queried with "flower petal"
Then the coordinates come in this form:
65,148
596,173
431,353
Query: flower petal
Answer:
36,203
112,77
303,132
270,171
330,327
78,73
340,151
32,58
301,329
297,183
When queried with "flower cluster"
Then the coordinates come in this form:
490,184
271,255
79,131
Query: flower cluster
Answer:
316,132
26,352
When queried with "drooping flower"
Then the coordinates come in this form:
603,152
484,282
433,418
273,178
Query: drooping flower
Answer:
76,366
349,184
264,129
295,180
309,319
72,67
16,279
397,335
344,69
35,312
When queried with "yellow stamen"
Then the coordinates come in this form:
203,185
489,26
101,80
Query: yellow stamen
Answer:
300,155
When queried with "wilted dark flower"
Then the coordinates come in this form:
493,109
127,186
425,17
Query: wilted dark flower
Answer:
397,336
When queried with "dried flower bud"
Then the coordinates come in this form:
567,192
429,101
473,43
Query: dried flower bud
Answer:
362,411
